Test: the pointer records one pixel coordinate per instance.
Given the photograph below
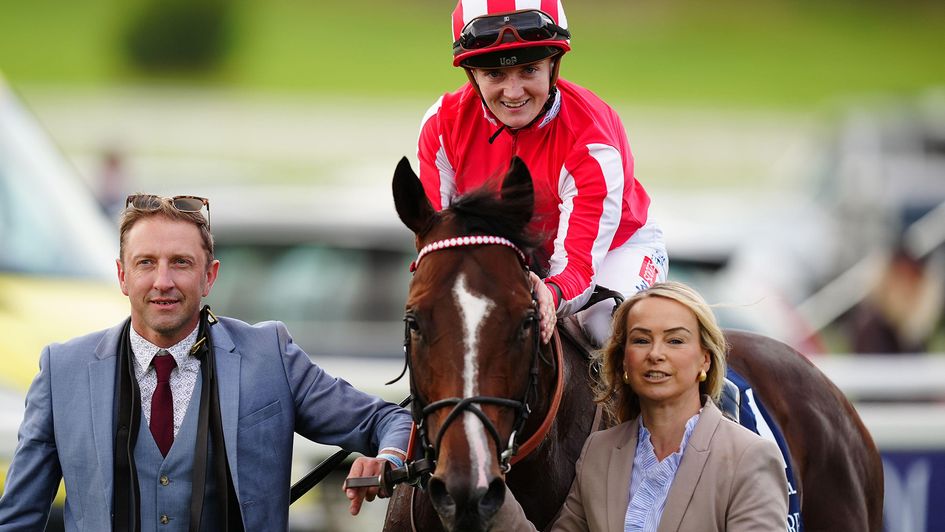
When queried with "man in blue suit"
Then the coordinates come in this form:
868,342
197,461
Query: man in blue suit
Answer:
175,419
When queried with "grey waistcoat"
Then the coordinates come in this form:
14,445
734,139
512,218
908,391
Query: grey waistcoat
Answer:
165,482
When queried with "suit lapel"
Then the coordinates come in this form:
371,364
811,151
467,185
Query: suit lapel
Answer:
228,384
102,375
690,468
619,470
102,398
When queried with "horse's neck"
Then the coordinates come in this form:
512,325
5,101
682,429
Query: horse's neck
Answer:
571,331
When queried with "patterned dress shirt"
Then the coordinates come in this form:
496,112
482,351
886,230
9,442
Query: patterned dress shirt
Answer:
183,377
651,480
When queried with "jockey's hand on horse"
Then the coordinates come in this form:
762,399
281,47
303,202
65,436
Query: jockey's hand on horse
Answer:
546,307
365,466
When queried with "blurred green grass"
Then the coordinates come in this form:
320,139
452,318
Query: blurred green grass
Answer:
737,53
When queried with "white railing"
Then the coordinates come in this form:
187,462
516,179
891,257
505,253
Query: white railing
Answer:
901,398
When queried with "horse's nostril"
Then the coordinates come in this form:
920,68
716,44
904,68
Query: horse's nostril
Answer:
440,496
492,500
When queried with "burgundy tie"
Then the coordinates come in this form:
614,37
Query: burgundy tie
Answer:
162,403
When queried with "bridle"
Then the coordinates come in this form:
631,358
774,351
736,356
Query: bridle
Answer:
460,241
508,451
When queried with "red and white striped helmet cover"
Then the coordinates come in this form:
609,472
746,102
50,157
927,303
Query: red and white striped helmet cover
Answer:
466,10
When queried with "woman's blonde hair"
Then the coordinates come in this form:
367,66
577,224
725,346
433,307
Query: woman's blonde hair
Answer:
616,396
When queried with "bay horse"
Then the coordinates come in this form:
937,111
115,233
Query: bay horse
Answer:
495,408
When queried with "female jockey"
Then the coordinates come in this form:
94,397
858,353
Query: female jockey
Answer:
587,201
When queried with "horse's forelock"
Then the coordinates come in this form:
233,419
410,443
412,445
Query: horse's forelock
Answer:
483,212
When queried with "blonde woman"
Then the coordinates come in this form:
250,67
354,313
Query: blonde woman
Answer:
673,463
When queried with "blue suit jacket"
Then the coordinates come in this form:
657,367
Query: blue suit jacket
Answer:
268,386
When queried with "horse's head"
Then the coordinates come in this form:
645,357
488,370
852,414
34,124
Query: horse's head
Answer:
471,337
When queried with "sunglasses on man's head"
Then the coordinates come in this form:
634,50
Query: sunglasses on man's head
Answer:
526,26
151,202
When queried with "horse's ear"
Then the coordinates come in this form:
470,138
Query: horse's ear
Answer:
411,202
517,188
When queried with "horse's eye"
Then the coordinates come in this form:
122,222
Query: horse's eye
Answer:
529,322
411,323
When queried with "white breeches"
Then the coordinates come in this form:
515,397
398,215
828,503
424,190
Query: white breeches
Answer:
640,262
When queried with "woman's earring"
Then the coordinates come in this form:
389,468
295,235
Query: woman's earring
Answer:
702,376
626,377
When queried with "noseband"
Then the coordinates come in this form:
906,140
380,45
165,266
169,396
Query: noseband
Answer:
507,451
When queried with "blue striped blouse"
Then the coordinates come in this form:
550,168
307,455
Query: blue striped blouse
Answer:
651,480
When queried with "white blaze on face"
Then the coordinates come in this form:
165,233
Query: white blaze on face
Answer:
473,310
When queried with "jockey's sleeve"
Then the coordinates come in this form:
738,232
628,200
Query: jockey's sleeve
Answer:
436,172
590,186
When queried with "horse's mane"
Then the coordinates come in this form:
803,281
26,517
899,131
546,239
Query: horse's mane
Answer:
483,212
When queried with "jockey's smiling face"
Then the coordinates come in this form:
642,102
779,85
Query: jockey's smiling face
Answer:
515,94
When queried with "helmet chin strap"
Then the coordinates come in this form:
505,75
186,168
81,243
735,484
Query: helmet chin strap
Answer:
472,80
555,67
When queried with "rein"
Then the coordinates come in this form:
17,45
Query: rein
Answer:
512,452
532,443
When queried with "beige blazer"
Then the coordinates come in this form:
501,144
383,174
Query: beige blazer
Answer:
729,479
